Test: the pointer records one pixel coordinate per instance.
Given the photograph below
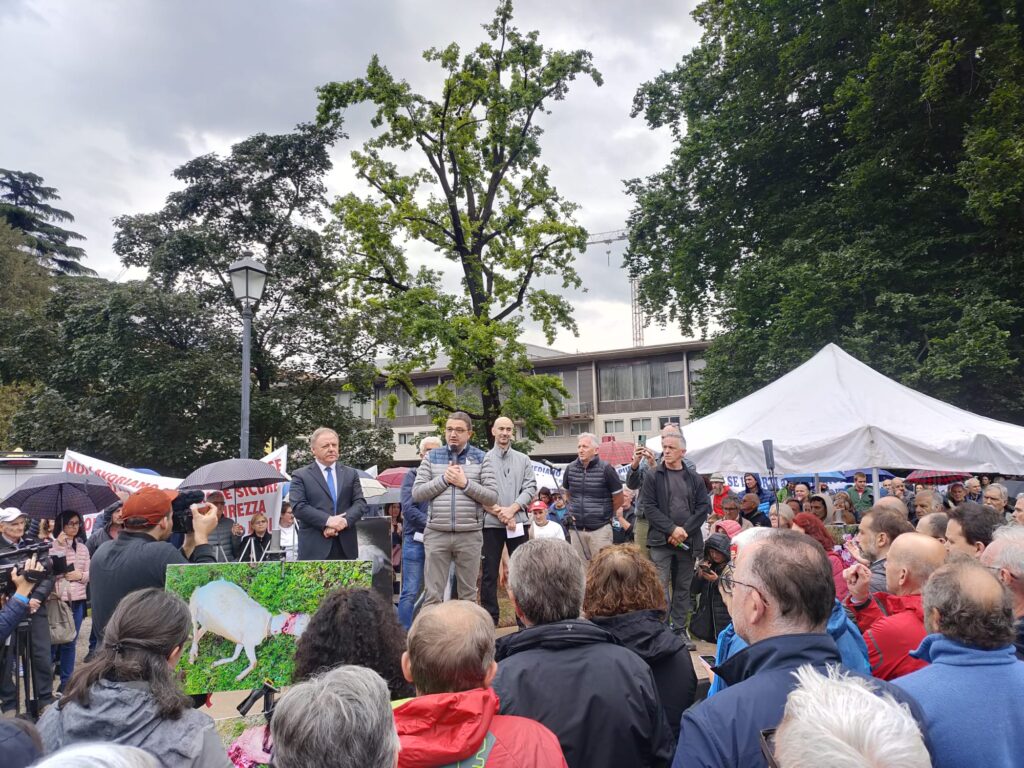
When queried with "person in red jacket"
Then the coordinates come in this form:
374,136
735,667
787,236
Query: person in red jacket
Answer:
454,716
893,621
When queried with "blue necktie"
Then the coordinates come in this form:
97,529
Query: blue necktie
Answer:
330,485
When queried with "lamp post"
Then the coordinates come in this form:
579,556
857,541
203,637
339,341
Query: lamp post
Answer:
248,278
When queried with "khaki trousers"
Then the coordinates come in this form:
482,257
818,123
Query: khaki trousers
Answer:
588,543
440,549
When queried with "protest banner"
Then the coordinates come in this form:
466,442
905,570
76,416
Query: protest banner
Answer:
241,503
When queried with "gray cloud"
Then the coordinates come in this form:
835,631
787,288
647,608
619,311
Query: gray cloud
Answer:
117,93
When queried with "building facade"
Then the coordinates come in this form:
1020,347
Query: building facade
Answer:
621,394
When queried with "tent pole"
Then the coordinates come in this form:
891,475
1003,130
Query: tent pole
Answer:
874,484
814,490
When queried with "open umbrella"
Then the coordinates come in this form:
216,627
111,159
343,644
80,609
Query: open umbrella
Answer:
232,473
390,496
615,452
393,477
936,477
46,496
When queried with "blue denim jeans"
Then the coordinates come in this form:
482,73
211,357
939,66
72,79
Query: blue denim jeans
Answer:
412,579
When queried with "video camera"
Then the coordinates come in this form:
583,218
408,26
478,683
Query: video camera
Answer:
13,561
181,510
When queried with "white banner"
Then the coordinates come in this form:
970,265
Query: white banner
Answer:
242,503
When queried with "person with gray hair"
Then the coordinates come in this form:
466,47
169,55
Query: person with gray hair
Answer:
596,696
414,522
595,492
455,716
340,719
1005,557
928,503
327,501
973,682
839,721
100,755
782,596
996,496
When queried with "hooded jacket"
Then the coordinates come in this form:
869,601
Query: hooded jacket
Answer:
442,729
597,697
17,746
844,633
724,731
710,616
647,635
830,508
126,713
966,690
893,626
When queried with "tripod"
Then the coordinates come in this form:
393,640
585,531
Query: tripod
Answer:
17,656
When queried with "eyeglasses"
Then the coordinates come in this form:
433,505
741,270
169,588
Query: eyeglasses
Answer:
729,583
75,523
455,430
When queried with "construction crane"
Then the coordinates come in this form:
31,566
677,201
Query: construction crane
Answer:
607,238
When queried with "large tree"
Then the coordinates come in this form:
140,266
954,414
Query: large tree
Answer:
845,172
25,205
459,171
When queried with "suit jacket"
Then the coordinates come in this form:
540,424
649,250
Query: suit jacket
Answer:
312,505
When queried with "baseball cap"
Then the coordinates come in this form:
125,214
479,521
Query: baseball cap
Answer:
149,504
10,514
717,478
538,506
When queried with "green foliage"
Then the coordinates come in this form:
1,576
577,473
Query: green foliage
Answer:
24,205
297,587
481,198
844,172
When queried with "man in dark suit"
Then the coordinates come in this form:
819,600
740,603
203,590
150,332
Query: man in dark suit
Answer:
327,500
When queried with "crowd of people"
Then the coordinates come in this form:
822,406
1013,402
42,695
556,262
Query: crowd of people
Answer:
848,630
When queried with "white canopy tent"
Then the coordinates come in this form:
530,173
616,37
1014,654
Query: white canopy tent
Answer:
834,412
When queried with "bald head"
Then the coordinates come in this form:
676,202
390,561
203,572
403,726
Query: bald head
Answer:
895,504
967,604
451,648
504,431
913,557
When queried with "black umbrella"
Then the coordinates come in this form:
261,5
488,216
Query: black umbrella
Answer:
232,473
46,496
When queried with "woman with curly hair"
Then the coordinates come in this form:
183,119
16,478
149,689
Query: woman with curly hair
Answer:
354,626
807,523
624,596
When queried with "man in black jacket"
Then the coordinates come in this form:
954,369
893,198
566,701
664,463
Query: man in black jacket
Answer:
595,492
675,502
597,697
139,556
12,536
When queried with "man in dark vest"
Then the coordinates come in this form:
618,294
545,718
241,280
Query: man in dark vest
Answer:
595,492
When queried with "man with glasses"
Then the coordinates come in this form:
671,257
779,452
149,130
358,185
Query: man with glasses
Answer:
458,480
782,596
675,502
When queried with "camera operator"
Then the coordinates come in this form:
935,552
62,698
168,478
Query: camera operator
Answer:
138,557
15,608
12,536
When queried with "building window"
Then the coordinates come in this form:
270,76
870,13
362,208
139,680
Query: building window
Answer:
579,427
406,438
557,430
664,421
641,380
639,425
614,425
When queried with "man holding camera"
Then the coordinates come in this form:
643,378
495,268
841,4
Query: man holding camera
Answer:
138,557
12,536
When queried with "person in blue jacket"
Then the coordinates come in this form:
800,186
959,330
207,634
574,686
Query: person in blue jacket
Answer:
16,607
782,596
972,689
414,520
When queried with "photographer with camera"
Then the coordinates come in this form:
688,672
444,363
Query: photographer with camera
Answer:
138,557
12,537
15,608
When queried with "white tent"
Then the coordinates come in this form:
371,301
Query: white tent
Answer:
834,412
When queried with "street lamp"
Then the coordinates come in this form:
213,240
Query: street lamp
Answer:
248,277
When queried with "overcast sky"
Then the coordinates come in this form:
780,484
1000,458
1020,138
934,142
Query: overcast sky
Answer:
105,98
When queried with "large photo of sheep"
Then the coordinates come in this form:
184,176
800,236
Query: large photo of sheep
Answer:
248,617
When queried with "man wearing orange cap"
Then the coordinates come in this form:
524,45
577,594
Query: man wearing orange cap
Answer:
138,557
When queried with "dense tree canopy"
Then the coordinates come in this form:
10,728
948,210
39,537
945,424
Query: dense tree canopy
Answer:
847,172
25,205
481,198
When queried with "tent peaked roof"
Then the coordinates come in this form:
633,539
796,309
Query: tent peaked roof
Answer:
835,412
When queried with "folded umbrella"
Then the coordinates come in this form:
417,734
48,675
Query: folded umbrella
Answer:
232,473
46,496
